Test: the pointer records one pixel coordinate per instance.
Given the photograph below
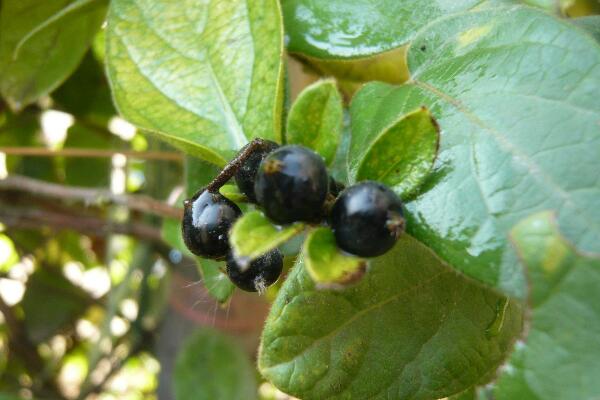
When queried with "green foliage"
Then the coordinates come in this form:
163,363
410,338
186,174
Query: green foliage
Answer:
400,155
340,29
49,56
228,85
389,335
315,119
482,115
326,264
505,151
559,358
211,366
254,235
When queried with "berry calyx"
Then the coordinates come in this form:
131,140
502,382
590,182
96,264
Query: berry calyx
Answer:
246,174
367,219
292,184
259,275
207,218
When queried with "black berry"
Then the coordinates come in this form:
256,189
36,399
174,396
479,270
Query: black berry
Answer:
207,218
292,184
246,174
367,219
260,274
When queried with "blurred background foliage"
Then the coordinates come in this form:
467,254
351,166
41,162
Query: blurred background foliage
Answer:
96,299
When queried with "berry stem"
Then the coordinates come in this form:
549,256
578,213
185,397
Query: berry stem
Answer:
234,165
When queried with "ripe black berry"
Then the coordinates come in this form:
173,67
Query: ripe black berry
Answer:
260,274
246,175
367,219
291,184
207,218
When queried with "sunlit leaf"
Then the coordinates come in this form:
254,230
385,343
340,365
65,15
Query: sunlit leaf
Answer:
208,92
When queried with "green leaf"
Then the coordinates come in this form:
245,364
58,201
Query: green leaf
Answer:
96,105
212,366
508,87
401,155
253,235
315,119
337,29
411,328
215,280
232,192
205,76
590,24
48,55
325,262
559,358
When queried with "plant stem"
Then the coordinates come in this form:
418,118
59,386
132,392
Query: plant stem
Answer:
89,225
84,153
88,196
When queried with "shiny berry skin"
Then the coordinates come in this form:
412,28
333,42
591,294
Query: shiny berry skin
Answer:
207,218
292,184
246,174
367,219
260,274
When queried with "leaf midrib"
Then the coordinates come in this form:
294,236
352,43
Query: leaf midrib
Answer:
235,130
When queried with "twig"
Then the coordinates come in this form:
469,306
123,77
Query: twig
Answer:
96,153
89,225
88,196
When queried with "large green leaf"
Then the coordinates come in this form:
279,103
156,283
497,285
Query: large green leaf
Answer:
590,24
515,93
412,328
48,56
315,119
349,29
211,366
204,75
559,360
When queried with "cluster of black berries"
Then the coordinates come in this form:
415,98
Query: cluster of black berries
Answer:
290,183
